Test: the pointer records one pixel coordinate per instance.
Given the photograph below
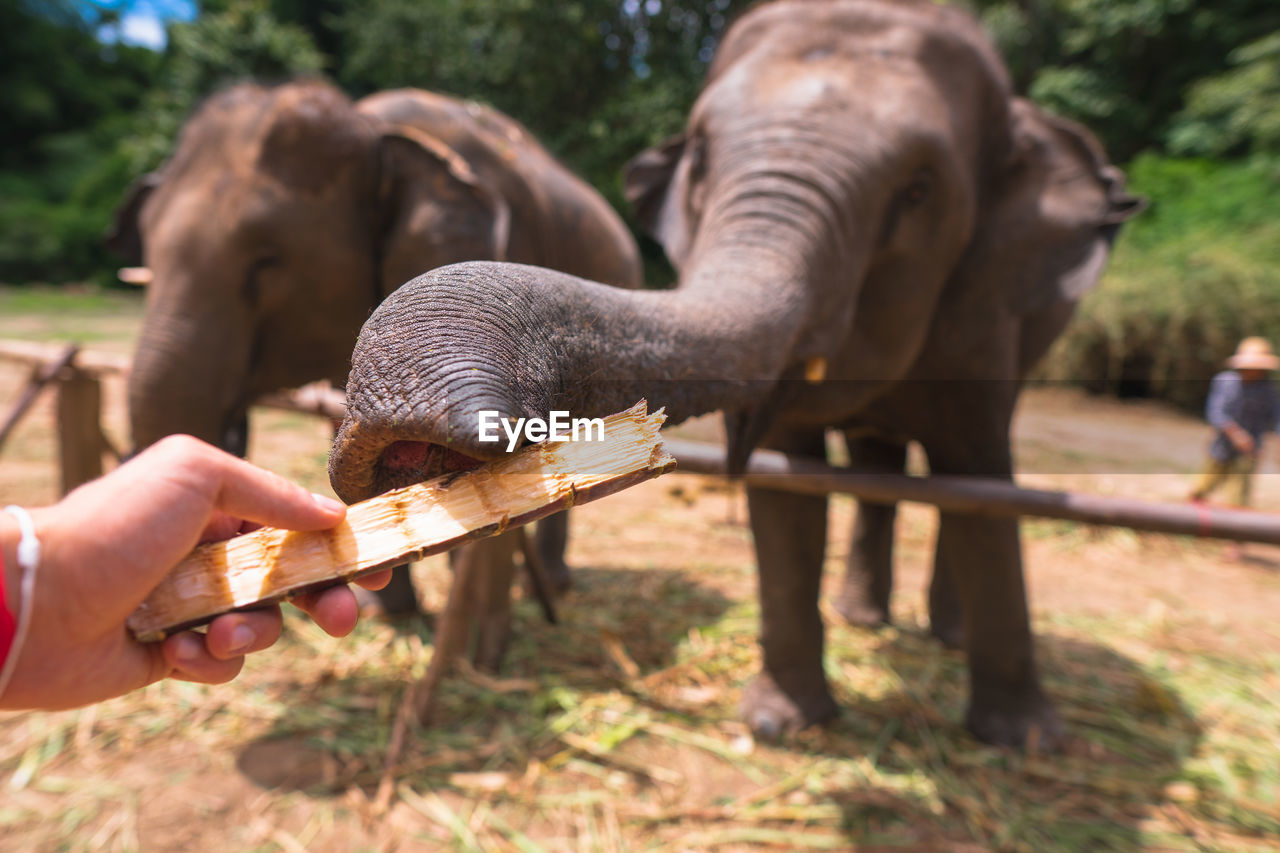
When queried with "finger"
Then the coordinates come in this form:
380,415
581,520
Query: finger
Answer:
375,580
239,488
238,634
188,658
334,609
255,495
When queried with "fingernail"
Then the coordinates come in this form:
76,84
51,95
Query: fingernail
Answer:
188,648
242,637
327,503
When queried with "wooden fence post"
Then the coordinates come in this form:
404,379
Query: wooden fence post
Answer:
80,444
41,376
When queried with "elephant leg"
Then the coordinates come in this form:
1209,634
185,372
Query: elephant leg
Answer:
493,561
790,539
479,606
452,629
551,538
946,613
983,559
868,579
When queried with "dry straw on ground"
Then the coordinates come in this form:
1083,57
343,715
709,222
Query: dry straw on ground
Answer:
618,730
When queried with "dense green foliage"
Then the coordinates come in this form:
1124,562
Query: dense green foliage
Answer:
1171,78
66,102
1125,67
1190,277
88,118
622,74
598,80
243,40
55,79
1238,109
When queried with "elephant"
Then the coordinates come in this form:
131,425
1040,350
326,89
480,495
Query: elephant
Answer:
286,213
871,234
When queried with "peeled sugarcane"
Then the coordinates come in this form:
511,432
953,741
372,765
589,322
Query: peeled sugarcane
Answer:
406,524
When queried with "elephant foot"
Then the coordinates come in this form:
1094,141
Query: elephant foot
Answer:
1024,719
772,712
950,634
493,635
855,610
946,615
560,577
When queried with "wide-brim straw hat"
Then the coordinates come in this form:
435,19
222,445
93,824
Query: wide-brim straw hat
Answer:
1254,354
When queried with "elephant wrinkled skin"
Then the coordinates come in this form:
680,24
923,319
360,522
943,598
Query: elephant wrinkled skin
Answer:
287,213
872,235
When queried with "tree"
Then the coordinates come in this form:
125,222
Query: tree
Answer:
595,80
65,98
84,118
56,78
1238,111
241,40
1123,67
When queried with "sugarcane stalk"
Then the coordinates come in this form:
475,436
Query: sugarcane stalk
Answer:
406,524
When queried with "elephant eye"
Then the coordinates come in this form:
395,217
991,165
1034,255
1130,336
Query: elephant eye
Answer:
695,181
914,194
697,160
918,189
252,287
697,175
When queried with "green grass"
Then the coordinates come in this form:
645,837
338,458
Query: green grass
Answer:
81,313
83,299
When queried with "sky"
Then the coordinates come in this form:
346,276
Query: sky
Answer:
141,21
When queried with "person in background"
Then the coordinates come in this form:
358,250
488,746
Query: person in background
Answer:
1242,408
71,573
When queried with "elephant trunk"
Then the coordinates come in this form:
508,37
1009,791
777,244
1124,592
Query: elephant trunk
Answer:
522,341
184,379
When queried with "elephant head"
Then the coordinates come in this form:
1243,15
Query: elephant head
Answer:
282,218
845,166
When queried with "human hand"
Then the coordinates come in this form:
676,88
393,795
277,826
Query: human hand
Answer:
107,544
1240,439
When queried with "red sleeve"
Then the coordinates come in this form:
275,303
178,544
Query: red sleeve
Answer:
8,625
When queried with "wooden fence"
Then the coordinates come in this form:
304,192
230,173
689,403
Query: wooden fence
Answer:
77,374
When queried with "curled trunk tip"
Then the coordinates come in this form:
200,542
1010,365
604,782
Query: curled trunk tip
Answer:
353,460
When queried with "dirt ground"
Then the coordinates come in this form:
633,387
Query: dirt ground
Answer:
617,731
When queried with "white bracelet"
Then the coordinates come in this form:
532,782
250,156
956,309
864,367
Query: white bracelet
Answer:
29,562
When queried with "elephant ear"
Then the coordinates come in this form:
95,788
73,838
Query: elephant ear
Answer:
124,236
658,183
436,209
1058,208
1046,232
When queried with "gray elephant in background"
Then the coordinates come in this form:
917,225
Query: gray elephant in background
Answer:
872,235
285,214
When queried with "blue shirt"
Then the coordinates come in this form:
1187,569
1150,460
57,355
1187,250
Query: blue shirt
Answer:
1252,405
